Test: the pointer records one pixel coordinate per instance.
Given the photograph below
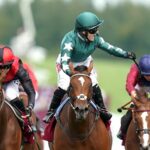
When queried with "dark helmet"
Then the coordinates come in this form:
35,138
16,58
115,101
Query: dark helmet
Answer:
6,55
87,21
144,64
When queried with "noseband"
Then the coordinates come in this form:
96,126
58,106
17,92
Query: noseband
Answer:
80,96
79,74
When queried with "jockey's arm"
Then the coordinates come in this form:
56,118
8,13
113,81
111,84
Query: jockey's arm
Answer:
26,82
132,79
116,51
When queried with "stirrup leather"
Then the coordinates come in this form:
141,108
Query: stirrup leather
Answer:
48,116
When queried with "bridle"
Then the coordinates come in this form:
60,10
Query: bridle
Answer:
79,137
79,74
133,110
138,130
2,98
80,96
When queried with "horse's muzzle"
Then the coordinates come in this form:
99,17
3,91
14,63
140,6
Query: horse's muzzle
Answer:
81,112
144,147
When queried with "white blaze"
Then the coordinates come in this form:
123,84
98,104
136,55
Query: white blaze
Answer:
81,79
145,126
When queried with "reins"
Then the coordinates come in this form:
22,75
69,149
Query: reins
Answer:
35,138
133,110
124,107
2,99
80,137
83,136
137,129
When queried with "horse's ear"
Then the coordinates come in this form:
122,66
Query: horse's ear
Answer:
71,68
90,67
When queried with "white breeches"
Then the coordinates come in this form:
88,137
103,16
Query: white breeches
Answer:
12,90
63,80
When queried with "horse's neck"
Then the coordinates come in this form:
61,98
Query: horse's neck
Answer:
144,99
132,136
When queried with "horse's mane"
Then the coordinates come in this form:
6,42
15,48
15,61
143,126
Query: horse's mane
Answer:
81,68
142,95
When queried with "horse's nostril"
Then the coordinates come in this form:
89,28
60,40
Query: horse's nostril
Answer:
86,109
77,109
140,145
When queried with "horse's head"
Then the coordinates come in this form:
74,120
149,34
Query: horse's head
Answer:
80,90
141,116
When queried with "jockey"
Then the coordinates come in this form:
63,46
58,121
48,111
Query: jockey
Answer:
136,79
12,73
77,47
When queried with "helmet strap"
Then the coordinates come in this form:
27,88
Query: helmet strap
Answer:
83,36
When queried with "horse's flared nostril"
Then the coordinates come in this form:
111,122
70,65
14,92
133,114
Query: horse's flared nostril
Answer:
77,109
140,145
86,109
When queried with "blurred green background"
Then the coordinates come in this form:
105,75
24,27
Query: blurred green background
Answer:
126,25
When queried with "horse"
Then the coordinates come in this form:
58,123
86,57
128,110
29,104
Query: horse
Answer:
11,136
138,133
79,125
10,130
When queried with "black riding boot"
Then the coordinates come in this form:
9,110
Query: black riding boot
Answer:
97,96
17,103
125,121
55,102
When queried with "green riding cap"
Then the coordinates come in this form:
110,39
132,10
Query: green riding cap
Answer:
87,21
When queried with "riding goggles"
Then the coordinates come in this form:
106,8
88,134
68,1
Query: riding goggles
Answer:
93,31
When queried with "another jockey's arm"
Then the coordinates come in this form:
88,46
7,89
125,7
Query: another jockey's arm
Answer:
26,82
116,51
132,79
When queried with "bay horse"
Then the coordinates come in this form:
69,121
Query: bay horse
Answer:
11,135
138,133
10,130
79,126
